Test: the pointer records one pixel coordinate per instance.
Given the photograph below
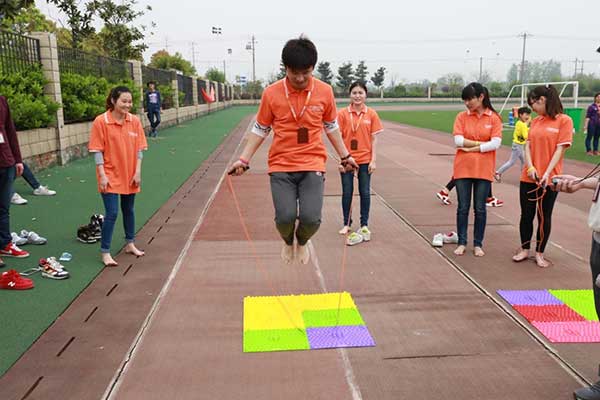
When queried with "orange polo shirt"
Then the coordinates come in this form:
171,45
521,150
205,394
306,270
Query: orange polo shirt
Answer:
287,152
481,128
360,126
545,135
120,144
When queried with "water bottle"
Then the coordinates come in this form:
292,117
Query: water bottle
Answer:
511,118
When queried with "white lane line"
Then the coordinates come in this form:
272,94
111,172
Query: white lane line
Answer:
348,370
115,383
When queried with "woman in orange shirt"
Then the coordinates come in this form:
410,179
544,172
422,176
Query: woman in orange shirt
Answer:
477,135
550,134
360,126
117,139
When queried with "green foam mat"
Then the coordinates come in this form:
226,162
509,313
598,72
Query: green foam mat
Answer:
581,301
323,318
275,340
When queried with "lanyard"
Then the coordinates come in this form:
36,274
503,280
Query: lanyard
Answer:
354,129
297,117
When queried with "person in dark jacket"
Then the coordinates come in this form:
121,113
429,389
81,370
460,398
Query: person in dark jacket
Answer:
153,104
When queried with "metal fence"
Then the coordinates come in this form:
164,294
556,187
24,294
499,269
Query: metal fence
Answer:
79,62
185,86
220,88
18,53
201,85
162,79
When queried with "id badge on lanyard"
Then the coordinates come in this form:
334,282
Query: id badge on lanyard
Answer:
354,141
302,131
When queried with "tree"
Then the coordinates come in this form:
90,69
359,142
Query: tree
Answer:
537,71
120,37
378,78
11,8
254,89
345,76
163,60
451,84
215,75
324,70
29,19
78,20
361,72
281,74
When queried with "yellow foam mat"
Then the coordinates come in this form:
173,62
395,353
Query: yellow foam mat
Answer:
285,312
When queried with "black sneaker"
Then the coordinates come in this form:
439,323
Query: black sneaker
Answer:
588,393
85,234
96,222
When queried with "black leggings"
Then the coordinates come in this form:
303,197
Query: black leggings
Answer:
452,182
528,193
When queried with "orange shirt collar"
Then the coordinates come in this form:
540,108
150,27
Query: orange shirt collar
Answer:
362,110
292,90
108,118
487,112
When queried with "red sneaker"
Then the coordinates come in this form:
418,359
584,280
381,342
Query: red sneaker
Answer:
444,197
12,280
494,202
11,250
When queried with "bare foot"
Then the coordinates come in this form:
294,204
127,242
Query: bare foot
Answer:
108,260
131,249
460,250
540,261
303,254
344,230
287,253
478,252
523,254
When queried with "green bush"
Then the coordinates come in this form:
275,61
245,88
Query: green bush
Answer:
24,91
84,96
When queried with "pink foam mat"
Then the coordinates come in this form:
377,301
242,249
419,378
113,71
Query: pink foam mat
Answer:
570,332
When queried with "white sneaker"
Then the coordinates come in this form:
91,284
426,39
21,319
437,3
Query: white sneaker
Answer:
450,237
303,254
32,237
354,238
438,240
18,240
17,199
43,191
344,230
287,253
365,233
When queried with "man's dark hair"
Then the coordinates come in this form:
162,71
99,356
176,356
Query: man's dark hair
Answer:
151,83
299,54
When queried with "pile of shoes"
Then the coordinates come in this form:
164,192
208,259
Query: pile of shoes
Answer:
27,237
440,238
91,232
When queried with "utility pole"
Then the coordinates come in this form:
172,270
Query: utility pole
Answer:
575,73
193,55
480,69
252,46
581,67
224,71
167,43
522,73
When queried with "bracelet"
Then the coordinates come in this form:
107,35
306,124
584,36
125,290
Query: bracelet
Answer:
532,168
245,162
345,158
477,143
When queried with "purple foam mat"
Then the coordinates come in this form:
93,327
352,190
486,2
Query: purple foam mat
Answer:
529,297
339,336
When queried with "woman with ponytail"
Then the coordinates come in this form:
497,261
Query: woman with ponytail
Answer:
477,135
550,134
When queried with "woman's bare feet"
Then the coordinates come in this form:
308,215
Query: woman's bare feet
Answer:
478,252
108,261
131,249
460,250
523,254
540,261
344,230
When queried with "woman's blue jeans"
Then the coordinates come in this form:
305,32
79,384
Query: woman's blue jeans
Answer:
479,188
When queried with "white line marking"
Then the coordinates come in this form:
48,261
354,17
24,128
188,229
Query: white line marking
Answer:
348,370
115,383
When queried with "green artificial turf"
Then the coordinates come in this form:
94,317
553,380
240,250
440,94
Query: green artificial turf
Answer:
444,120
169,161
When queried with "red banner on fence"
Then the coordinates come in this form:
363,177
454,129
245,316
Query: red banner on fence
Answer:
209,98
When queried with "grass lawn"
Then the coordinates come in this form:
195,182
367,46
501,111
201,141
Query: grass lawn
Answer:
444,120
169,161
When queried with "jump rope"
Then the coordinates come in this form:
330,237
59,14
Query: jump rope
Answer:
263,270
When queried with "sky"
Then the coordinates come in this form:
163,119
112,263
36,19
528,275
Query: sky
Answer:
413,40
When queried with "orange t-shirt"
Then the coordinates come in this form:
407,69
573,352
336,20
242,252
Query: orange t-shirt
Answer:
120,144
360,126
545,135
481,128
289,152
